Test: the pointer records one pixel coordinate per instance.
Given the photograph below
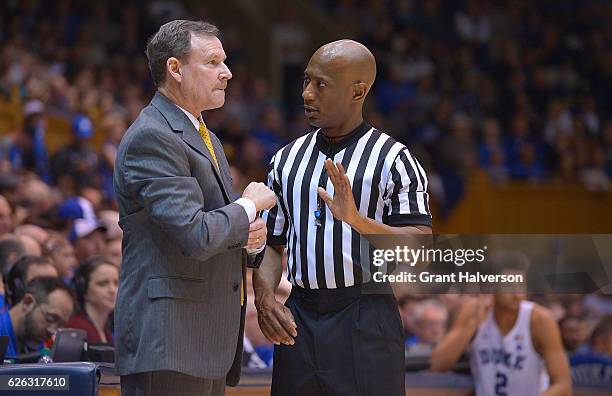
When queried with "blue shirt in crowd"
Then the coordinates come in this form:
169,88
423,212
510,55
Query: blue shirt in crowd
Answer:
6,329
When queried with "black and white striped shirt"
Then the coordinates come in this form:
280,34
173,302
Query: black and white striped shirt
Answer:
389,186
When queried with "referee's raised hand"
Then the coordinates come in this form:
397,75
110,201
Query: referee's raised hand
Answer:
342,205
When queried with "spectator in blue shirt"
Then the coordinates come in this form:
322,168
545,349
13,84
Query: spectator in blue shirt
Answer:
592,364
46,305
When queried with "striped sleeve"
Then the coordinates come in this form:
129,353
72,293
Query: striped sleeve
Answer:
406,197
276,218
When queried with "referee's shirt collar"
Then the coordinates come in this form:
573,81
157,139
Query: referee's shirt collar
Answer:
331,149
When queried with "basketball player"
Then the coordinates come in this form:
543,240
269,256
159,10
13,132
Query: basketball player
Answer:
514,347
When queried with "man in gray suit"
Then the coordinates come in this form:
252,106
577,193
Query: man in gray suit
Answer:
180,309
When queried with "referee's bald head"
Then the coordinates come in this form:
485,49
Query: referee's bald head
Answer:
336,81
354,60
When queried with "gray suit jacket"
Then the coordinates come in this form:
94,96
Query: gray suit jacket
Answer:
178,306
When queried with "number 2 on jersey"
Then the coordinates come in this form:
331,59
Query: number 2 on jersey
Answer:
501,381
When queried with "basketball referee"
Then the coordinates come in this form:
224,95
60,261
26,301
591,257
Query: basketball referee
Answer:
335,186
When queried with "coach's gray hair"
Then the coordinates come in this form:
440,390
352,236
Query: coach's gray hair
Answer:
173,39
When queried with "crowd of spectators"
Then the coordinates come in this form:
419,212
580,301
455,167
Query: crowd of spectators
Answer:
58,268
515,89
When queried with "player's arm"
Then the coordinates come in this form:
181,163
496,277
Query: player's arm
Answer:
547,342
449,350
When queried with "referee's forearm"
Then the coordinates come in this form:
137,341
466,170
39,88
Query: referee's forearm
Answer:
267,277
367,226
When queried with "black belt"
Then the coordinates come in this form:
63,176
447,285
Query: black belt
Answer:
330,300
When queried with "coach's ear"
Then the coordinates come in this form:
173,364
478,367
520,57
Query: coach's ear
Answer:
360,90
173,68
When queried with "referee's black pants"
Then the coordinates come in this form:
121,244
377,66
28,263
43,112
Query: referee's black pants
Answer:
349,342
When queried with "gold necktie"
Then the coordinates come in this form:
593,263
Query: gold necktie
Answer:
206,137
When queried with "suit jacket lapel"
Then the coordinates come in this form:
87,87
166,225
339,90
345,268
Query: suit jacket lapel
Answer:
193,138
222,164
180,123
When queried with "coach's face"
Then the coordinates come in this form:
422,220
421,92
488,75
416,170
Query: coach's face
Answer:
327,92
203,78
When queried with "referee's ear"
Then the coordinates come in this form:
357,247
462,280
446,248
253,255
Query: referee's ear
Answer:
360,90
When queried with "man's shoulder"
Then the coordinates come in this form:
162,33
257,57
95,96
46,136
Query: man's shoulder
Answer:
150,118
6,323
148,127
542,323
393,149
541,317
389,139
294,143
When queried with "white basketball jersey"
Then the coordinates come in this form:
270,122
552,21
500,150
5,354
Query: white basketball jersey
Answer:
507,365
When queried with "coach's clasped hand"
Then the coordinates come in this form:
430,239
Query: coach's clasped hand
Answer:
261,195
257,234
263,198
